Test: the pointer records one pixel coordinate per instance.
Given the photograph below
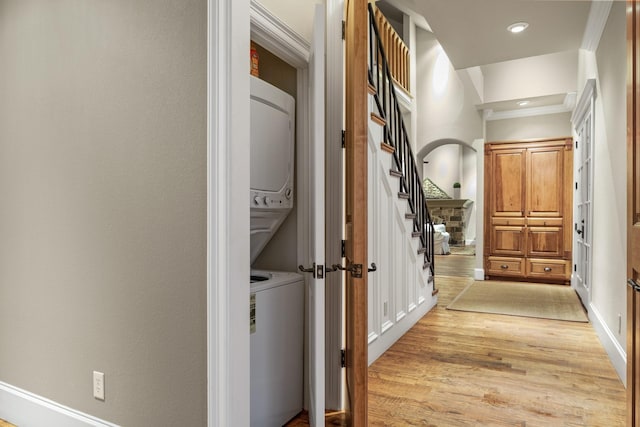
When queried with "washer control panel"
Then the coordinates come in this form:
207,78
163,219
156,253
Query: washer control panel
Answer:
262,199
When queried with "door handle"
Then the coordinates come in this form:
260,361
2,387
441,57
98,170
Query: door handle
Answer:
316,270
632,283
308,270
354,269
373,268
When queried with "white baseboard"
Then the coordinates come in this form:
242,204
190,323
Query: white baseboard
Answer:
470,242
617,354
26,409
478,273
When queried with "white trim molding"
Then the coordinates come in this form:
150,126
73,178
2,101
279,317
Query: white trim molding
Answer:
598,15
617,354
276,36
585,104
22,407
334,200
227,213
491,115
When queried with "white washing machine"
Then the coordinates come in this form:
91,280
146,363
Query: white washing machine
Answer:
277,341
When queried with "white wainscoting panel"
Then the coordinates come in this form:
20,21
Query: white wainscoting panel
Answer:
399,291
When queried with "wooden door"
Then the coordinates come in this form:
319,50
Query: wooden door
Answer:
633,213
356,209
508,178
545,181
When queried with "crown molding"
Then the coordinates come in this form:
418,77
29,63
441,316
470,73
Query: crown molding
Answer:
588,94
598,15
275,35
491,115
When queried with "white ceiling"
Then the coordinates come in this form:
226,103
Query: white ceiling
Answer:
474,32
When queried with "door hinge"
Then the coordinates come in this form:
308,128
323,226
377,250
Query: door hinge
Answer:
576,185
575,267
343,245
576,144
344,29
343,138
343,358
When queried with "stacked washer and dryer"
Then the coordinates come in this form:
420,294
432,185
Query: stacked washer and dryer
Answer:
277,298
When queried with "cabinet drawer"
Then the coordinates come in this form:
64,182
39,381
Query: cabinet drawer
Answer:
549,268
505,266
544,222
507,221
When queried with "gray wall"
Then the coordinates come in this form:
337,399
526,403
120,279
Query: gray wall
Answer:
546,126
445,107
610,176
103,219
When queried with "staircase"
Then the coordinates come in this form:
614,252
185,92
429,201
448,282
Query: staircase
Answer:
401,241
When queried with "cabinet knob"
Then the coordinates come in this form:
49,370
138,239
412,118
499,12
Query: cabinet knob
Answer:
547,269
504,266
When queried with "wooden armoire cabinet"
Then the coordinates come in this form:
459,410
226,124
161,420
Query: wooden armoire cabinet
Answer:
528,209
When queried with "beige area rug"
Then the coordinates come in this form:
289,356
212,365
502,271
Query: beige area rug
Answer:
556,302
463,250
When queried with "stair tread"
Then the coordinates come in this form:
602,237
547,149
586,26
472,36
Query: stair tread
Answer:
395,173
416,233
378,119
421,251
387,147
410,216
403,195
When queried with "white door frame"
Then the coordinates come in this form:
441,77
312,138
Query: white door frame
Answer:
227,213
334,230
228,144
585,110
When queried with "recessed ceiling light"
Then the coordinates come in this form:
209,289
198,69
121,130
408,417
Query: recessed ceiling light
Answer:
523,103
518,27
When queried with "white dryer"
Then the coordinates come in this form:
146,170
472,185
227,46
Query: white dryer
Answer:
277,345
272,161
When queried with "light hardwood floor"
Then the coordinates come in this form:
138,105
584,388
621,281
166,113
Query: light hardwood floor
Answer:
472,369
3,423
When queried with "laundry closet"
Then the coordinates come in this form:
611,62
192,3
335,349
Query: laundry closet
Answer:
277,291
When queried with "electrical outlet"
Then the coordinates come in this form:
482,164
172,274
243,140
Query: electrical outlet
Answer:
98,385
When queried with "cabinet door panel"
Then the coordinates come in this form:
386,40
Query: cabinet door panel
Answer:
545,181
545,241
507,240
507,194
